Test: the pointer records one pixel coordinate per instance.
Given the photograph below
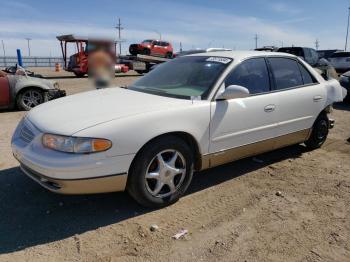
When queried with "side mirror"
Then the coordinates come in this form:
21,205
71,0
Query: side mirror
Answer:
232,92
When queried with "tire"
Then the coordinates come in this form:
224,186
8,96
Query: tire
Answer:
319,132
153,191
30,98
146,51
139,72
169,55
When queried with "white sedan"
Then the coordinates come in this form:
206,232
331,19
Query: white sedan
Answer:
189,114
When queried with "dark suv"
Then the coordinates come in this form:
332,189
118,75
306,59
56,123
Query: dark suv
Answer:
153,48
308,54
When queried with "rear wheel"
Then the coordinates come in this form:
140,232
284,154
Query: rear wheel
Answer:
319,132
30,98
161,172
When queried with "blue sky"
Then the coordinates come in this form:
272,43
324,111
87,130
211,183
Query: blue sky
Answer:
195,23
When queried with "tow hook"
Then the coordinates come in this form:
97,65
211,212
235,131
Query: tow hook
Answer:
331,123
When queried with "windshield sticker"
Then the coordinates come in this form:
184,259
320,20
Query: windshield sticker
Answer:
222,60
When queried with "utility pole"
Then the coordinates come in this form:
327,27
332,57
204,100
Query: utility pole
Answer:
317,44
3,49
347,30
256,41
180,47
28,40
160,35
119,28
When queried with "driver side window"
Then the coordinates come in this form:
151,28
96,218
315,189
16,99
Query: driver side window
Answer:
251,74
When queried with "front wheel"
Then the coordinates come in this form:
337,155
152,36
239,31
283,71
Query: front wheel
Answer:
319,132
146,51
30,98
161,172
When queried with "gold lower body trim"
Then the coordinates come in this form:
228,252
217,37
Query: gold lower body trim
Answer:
104,184
220,158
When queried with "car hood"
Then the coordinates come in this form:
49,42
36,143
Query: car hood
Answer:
24,81
74,113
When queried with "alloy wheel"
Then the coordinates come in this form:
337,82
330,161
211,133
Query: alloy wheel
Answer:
165,173
32,98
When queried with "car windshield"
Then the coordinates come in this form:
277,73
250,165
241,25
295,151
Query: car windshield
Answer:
185,77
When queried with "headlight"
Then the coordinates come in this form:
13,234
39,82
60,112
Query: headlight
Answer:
78,145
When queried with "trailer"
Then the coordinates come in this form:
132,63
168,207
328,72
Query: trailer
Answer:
140,63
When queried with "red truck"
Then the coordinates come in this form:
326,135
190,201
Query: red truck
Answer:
153,48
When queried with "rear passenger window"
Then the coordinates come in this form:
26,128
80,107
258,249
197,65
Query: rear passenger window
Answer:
286,72
307,77
251,74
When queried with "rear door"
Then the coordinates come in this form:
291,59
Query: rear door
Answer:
300,97
4,92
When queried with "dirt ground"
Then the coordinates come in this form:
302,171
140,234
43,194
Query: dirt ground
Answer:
232,212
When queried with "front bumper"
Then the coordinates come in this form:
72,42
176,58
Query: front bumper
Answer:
65,172
104,184
56,93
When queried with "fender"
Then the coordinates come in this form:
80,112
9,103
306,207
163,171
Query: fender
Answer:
335,92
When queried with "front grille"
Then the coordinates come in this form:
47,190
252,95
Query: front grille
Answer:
26,135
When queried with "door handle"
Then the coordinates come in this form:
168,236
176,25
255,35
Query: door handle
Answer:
318,98
269,108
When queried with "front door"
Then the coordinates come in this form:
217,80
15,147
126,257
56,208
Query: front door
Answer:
244,126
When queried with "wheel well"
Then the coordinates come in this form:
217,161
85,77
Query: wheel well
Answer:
189,140
29,87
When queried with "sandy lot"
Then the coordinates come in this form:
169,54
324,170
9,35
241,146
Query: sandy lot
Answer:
232,212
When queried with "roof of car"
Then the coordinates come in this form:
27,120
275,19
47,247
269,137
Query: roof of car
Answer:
242,54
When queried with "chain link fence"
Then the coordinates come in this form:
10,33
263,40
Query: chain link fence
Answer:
33,61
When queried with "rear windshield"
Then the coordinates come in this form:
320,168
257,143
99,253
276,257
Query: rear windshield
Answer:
341,54
147,41
297,51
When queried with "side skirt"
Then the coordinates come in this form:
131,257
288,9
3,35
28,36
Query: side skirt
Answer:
229,155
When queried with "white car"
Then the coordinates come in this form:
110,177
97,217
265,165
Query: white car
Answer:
192,113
